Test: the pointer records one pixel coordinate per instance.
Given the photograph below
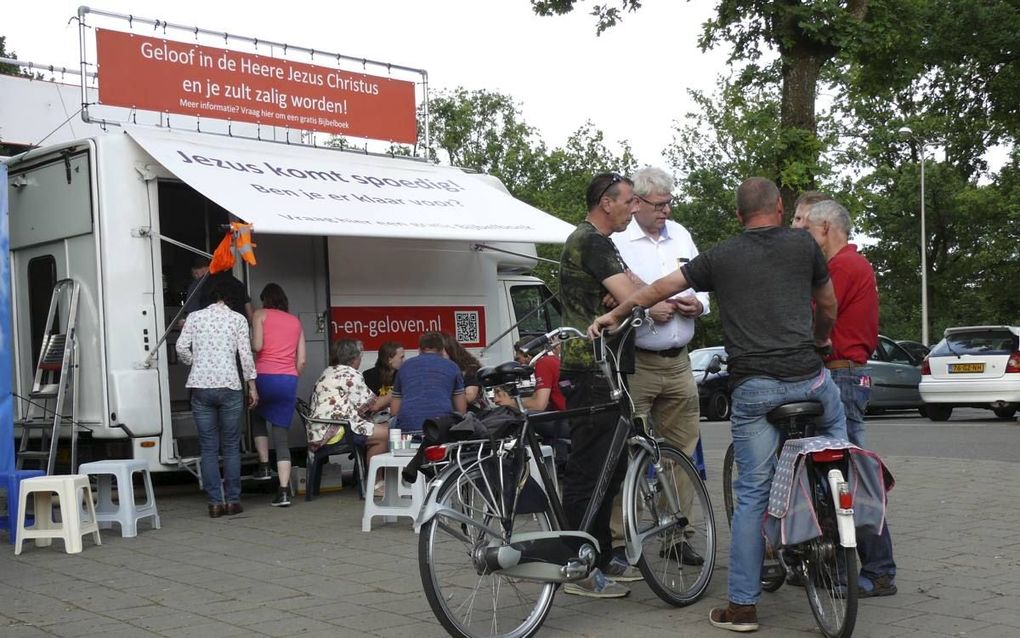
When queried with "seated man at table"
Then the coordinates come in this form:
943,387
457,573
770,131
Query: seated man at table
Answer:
341,394
427,386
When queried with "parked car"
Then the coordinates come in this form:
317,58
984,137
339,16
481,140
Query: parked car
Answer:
895,375
973,366
709,368
916,348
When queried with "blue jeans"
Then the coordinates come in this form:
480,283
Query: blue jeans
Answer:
875,550
217,413
755,442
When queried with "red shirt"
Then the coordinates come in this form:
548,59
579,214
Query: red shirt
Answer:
547,375
855,335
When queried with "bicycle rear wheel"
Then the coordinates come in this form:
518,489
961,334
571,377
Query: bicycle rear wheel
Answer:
467,601
677,545
831,572
773,573
729,472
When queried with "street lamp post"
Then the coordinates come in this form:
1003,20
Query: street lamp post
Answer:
906,132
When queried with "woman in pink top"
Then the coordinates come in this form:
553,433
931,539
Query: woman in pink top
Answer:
279,345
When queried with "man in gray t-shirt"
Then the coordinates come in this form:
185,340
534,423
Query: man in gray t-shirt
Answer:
765,281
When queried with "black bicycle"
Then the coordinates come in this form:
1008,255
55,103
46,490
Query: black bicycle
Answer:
494,543
827,564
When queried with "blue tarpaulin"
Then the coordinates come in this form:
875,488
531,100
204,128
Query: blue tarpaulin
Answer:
6,338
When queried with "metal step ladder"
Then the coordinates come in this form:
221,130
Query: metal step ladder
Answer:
56,375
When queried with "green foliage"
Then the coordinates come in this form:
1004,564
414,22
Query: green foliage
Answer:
8,69
605,16
973,246
486,132
947,69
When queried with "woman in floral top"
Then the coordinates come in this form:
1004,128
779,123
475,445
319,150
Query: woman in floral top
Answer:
342,394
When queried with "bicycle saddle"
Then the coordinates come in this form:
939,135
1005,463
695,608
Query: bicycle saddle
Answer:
509,372
789,411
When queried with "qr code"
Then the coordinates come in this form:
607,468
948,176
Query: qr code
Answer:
466,322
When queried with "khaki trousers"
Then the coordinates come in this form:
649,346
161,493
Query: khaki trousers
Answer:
664,388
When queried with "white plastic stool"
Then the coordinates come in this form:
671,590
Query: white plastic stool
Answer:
397,499
125,511
75,520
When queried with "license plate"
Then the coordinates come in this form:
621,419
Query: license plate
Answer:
955,368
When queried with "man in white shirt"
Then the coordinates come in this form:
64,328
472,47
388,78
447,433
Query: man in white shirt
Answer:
663,385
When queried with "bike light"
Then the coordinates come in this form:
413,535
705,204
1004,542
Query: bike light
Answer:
827,456
435,453
846,499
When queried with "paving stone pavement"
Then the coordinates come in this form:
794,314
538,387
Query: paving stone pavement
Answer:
309,571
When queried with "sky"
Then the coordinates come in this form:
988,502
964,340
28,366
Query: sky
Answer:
631,81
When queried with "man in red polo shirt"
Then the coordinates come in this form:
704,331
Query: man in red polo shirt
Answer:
854,338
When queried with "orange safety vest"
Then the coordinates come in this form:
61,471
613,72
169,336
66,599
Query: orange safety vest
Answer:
237,238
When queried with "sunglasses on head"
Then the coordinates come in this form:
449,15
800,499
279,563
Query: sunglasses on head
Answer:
614,178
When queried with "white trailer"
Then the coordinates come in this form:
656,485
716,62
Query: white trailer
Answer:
366,246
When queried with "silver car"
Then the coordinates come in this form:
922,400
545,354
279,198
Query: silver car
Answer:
895,375
973,366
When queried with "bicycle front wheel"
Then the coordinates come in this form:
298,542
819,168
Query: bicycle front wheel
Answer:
831,574
469,602
677,542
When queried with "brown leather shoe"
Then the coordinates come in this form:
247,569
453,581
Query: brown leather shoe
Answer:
216,511
735,617
234,508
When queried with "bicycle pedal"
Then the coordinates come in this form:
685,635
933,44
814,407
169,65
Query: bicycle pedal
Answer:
771,572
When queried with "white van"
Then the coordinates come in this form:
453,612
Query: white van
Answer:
110,210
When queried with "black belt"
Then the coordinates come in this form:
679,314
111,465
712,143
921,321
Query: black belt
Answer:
672,352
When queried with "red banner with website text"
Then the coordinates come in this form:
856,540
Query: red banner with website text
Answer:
375,325
176,77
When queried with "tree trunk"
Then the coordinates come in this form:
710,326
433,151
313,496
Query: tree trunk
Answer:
803,54
799,149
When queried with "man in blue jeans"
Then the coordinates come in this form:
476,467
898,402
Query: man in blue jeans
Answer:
765,280
854,338
211,342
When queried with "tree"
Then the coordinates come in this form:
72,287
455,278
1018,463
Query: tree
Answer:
948,70
806,35
8,69
487,132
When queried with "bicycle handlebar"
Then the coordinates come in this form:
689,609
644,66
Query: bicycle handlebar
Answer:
636,319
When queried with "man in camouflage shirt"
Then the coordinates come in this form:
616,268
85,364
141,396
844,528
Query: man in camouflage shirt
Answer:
591,268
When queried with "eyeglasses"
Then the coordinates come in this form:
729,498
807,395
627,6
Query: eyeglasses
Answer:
659,206
614,178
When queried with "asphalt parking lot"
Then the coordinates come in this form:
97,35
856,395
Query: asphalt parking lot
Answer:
309,570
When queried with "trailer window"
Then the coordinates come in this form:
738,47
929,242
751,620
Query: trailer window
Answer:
42,276
531,309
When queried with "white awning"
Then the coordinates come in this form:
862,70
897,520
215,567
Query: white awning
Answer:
299,190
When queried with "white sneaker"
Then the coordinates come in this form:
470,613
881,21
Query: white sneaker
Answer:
597,586
622,572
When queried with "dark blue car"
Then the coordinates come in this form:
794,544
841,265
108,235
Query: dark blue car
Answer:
709,368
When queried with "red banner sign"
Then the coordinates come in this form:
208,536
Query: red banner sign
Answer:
176,77
376,325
